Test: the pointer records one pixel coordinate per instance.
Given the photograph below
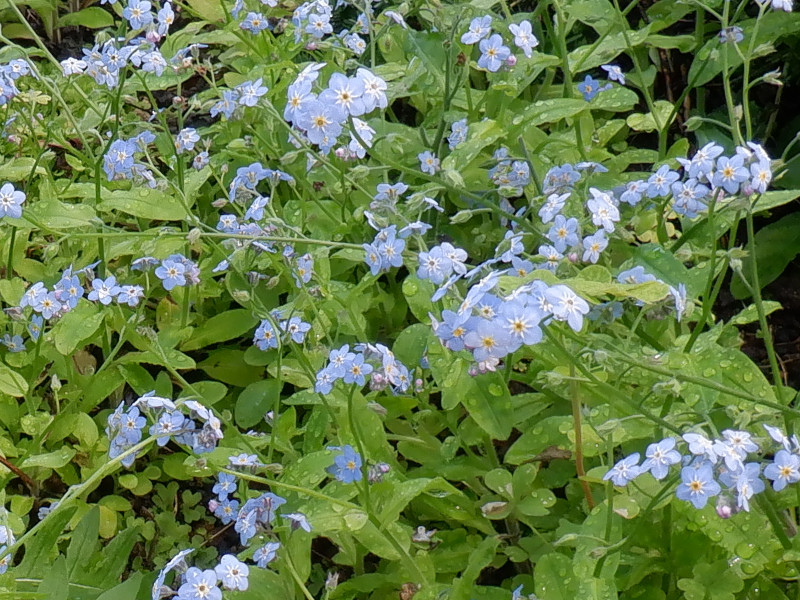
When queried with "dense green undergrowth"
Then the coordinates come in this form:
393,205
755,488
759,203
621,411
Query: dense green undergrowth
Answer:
406,300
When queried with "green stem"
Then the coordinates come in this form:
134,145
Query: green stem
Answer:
762,317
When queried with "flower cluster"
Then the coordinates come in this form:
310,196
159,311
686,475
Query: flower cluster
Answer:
353,367
385,251
119,161
494,54
192,583
321,117
509,176
293,329
174,271
717,467
9,74
124,428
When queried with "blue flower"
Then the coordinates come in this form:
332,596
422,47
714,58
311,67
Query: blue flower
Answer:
347,465
747,483
266,554
593,245
523,37
254,22
493,53
479,28
104,291
624,471
138,14
428,162
660,457
299,521
697,484
265,336
731,35
614,73
785,469
320,122
226,484
226,510
590,88
659,182
200,585
232,573
356,370
168,424
730,173
35,327
458,133
567,306
11,201
564,233
186,139
171,273
14,343
250,91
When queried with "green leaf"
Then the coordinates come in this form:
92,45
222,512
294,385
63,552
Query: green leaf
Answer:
219,328
254,402
84,543
52,214
549,111
479,559
93,17
774,247
750,314
12,383
127,590
145,203
480,135
39,547
51,460
77,326
553,580
772,26
775,199
55,583
411,344
653,120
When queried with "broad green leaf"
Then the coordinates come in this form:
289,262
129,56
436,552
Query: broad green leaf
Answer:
11,382
255,401
84,543
549,111
774,247
219,328
55,215
651,121
127,590
554,578
480,135
55,583
51,460
38,548
750,314
773,199
93,17
77,326
146,203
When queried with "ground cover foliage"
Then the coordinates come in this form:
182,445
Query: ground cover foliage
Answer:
384,300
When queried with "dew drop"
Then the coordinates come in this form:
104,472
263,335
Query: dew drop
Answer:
715,535
745,550
748,377
749,568
709,372
411,289
495,390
